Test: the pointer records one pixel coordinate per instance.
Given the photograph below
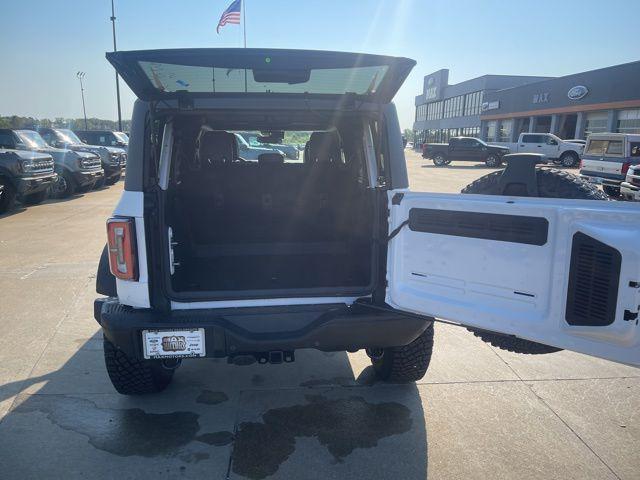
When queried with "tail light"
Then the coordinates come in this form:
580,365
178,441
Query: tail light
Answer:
625,168
121,236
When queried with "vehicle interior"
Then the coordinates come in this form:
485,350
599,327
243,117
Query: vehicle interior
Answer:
271,226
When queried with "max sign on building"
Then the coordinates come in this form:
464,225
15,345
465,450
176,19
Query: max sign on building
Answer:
431,92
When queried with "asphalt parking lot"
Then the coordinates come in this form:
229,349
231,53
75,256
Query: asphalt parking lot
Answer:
479,413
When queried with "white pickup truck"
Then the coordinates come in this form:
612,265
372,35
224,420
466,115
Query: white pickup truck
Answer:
554,149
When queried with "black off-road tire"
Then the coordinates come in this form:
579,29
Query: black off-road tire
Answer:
552,183
405,364
613,192
35,198
131,376
99,183
64,187
7,195
440,160
113,180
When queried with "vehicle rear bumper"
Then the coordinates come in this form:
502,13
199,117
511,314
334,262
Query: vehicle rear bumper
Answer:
629,191
334,327
34,184
84,179
599,180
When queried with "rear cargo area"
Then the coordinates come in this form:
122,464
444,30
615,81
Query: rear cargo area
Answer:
270,227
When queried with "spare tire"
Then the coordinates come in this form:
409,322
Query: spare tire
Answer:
552,183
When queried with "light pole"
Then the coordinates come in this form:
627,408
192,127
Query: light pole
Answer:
80,76
115,49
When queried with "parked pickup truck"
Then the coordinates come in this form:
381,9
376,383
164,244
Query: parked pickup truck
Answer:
607,158
555,150
24,175
465,149
630,188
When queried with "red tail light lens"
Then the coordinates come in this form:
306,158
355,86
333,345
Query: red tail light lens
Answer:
625,168
121,236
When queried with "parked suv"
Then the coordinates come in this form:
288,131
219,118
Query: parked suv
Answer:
24,175
77,170
105,138
607,158
210,255
113,159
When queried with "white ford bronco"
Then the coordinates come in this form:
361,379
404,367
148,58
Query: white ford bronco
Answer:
214,255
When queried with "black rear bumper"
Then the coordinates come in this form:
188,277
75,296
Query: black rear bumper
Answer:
333,327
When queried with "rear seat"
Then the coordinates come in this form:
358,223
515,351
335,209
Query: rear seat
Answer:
271,201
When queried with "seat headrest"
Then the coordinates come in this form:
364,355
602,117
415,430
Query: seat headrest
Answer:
271,159
323,147
217,148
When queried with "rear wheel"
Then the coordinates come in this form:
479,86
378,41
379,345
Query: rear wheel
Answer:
404,364
439,160
493,161
613,192
35,198
569,159
7,195
131,376
552,183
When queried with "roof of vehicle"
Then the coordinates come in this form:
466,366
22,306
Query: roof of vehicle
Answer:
207,72
613,136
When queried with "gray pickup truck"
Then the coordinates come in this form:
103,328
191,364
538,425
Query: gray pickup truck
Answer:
24,175
77,171
465,149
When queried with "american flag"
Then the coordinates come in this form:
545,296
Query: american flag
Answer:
230,15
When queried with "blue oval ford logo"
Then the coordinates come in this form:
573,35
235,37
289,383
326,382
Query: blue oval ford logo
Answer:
577,92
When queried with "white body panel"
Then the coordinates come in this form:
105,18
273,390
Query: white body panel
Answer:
134,294
515,288
551,152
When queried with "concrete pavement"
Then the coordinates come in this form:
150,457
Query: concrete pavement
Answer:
479,413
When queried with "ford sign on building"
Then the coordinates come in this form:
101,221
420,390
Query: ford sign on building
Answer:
604,100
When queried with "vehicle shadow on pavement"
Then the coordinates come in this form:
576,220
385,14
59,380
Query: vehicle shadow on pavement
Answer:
308,419
459,167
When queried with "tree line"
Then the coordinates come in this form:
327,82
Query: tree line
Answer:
18,122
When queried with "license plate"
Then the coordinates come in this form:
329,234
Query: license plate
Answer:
174,343
595,180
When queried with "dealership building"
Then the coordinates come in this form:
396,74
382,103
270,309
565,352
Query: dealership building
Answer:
499,107
444,111
604,100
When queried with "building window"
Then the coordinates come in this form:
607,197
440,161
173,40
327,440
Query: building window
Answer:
453,107
491,131
506,128
595,122
628,121
472,103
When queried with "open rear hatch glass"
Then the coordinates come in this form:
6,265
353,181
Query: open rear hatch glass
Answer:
163,74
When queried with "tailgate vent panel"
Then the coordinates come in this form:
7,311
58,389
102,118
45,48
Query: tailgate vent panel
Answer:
594,277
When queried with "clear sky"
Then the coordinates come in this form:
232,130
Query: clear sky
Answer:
43,43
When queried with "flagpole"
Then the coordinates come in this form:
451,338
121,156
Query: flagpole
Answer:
244,23
244,34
